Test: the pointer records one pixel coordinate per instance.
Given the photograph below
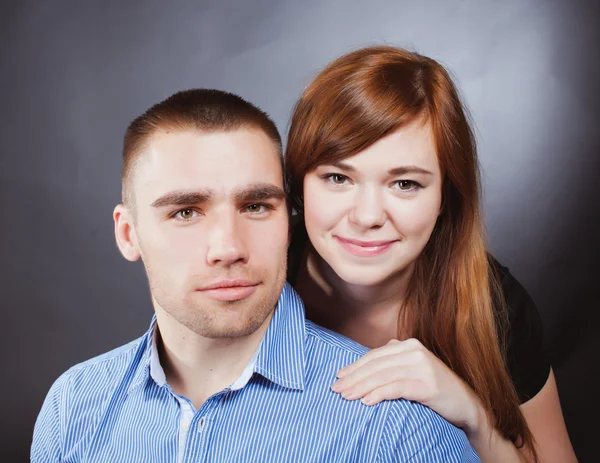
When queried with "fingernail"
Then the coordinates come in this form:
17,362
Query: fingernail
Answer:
341,373
348,395
339,385
367,400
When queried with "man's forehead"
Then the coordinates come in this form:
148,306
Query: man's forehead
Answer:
222,162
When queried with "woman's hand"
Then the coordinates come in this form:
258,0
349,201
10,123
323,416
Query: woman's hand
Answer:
407,370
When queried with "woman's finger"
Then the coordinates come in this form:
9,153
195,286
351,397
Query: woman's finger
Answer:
397,390
368,368
381,378
393,346
386,362
369,356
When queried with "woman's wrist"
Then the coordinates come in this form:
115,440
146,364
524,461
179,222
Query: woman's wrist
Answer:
477,422
487,441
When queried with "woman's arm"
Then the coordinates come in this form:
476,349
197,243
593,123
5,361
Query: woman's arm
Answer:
406,369
531,372
545,420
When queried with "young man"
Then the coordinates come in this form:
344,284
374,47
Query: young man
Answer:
229,369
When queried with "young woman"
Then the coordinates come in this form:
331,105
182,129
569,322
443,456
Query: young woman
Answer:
389,251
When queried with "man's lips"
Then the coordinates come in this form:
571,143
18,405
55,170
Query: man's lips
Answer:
228,283
361,248
229,290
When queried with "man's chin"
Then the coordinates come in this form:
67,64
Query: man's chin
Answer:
232,320
231,330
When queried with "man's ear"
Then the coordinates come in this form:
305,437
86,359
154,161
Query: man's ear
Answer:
125,233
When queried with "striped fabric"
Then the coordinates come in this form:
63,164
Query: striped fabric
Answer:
118,408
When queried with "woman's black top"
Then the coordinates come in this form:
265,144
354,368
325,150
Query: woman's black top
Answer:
526,358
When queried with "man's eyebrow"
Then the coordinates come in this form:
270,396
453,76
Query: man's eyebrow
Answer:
409,170
183,198
259,192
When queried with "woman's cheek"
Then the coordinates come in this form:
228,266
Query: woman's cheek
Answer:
417,217
322,209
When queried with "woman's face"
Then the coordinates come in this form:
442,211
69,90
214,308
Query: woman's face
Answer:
370,216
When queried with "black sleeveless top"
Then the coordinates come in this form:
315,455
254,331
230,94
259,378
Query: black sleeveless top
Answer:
526,358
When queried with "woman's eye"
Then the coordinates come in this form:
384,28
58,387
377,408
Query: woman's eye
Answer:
186,214
407,185
338,179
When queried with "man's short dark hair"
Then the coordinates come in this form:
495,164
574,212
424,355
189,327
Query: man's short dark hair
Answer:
206,110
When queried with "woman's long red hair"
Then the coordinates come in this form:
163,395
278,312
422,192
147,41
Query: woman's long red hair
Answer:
454,304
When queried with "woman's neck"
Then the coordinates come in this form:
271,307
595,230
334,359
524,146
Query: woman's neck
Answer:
366,314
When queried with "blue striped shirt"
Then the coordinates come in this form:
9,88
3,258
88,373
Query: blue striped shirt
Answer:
118,407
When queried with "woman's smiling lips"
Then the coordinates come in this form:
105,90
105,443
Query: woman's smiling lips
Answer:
364,248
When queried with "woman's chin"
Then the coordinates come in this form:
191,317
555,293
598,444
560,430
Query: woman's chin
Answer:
361,277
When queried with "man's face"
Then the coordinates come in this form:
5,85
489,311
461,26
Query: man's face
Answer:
211,226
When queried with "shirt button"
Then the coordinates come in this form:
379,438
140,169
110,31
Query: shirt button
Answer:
201,423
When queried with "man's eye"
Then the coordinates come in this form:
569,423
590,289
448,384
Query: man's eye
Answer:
338,179
258,208
186,214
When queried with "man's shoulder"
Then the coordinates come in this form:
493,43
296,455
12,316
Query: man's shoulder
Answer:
82,394
408,428
114,360
100,374
333,342
415,432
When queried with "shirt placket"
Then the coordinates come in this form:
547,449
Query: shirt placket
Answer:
185,421
196,434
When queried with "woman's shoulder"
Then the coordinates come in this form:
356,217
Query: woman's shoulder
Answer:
526,357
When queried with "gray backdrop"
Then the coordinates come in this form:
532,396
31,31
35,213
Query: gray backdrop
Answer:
73,74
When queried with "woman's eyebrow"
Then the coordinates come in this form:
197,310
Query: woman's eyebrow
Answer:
409,170
401,170
343,166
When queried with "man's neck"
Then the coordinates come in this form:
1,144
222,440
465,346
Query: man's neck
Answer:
197,367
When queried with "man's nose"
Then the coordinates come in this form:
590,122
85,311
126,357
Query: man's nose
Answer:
226,244
368,210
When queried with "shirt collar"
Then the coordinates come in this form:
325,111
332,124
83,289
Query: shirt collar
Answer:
280,357
143,358
156,370
158,374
